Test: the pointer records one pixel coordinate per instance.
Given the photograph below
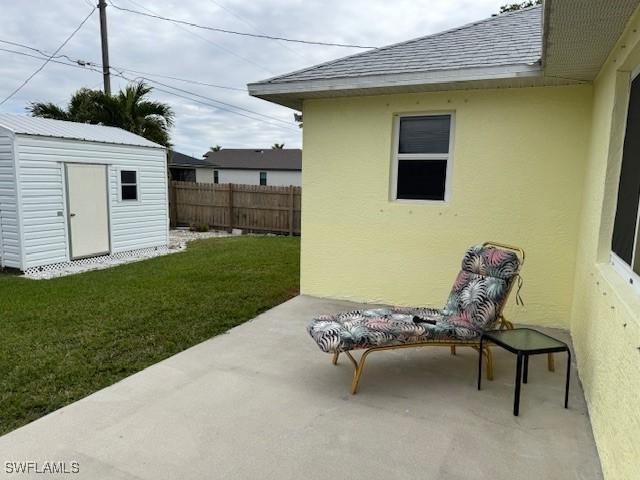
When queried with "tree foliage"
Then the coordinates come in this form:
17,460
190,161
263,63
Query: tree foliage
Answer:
277,146
217,148
514,7
129,109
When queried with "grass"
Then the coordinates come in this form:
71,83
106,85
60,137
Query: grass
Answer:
65,338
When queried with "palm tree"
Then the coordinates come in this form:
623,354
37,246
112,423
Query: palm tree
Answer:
217,148
129,109
277,146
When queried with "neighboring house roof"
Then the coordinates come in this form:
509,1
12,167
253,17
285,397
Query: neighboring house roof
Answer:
180,160
255,159
45,127
507,50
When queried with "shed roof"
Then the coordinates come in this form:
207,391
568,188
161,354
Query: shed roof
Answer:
45,127
256,159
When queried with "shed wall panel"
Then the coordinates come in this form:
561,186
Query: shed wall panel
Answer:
9,229
133,225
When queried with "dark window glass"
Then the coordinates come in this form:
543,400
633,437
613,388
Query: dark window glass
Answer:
129,192
263,178
421,179
127,176
183,174
216,179
425,134
625,225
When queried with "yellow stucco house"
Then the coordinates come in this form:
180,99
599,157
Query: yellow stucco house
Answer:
522,128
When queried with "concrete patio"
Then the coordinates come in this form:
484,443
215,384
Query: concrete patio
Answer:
263,402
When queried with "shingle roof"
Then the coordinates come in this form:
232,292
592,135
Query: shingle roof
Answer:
177,159
508,39
248,159
45,127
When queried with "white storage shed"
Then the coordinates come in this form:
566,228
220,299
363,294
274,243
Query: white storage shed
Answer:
72,190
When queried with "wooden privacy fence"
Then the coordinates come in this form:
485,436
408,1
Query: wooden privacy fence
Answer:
248,207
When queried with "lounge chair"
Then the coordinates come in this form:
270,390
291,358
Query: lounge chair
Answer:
476,303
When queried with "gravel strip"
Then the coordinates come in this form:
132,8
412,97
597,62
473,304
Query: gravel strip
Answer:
178,240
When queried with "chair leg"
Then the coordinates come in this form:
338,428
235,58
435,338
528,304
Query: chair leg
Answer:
551,364
453,349
358,367
334,360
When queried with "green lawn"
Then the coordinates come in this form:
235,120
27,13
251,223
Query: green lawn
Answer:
63,339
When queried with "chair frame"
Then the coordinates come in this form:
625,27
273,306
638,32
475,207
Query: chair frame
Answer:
503,324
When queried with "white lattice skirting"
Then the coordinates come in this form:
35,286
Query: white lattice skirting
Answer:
96,263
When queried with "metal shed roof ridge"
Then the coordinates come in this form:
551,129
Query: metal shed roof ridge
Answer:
46,127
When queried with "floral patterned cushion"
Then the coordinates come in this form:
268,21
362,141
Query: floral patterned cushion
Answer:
473,306
481,287
381,326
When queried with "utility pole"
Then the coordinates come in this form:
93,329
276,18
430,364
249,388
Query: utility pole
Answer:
102,5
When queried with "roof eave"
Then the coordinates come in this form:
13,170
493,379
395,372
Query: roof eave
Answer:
291,94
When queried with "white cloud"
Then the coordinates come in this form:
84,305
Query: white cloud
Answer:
155,46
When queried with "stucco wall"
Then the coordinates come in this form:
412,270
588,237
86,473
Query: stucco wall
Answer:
518,163
277,178
605,323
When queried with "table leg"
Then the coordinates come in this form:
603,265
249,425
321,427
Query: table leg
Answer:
525,373
566,388
480,362
516,400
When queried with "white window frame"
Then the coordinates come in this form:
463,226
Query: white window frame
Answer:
266,177
396,157
620,266
120,184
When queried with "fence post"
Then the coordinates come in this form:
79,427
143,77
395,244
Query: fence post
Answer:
290,210
230,207
173,205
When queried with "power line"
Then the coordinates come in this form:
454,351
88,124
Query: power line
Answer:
194,34
214,100
233,32
39,69
213,106
83,63
253,27
195,82
90,67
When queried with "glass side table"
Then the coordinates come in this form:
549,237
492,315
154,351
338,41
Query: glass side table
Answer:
524,342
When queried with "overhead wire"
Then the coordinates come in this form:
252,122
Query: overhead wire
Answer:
253,27
233,32
121,68
97,68
209,41
49,58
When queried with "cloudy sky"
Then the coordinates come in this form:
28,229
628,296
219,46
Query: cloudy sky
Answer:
157,47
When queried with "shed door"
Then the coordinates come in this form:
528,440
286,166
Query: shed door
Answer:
88,210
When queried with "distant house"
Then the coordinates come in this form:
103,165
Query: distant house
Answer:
185,168
278,167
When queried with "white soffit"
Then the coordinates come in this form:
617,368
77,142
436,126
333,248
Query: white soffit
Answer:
579,35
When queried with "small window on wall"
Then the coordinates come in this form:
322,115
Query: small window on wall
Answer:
216,178
263,178
625,243
128,185
422,157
